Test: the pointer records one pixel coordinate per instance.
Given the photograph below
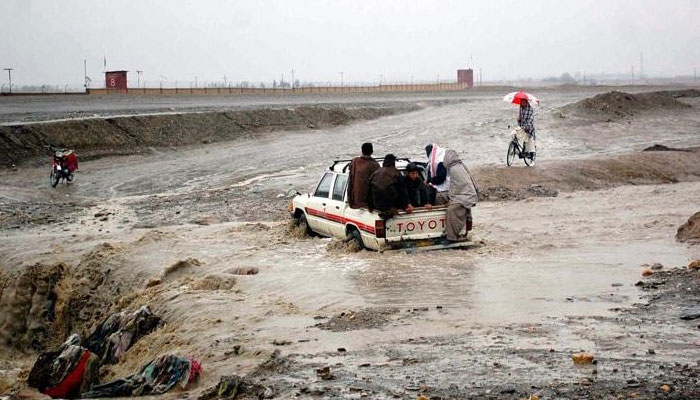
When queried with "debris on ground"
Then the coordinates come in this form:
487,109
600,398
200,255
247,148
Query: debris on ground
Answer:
661,147
156,377
118,332
324,373
694,265
647,272
67,372
582,358
362,319
234,387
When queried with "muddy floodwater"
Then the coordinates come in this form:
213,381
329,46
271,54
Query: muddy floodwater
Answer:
555,273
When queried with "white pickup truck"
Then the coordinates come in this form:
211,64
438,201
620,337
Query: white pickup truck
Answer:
326,212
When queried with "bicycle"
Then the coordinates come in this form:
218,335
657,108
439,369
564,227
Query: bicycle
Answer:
516,148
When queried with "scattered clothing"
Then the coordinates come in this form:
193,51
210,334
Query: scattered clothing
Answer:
234,387
156,377
118,332
67,372
462,196
360,169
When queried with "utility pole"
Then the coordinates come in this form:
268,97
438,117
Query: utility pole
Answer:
342,79
195,82
292,78
632,71
138,78
695,73
9,76
481,78
85,73
641,65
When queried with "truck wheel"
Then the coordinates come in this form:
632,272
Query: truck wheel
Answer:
304,224
356,238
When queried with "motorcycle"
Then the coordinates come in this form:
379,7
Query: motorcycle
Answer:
63,163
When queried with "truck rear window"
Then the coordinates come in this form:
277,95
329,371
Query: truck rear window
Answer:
339,188
324,186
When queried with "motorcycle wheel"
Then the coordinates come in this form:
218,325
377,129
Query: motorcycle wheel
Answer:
511,154
69,177
54,177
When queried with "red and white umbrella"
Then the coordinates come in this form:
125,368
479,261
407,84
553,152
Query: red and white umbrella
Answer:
517,97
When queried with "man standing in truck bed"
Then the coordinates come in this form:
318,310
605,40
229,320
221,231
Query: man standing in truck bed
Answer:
361,168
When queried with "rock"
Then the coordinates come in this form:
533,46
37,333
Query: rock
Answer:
665,388
281,342
647,272
341,350
153,282
324,373
694,265
657,267
617,285
633,383
243,271
690,231
691,314
651,351
582,358
422,397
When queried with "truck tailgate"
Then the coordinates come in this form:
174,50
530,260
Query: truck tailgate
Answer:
421,224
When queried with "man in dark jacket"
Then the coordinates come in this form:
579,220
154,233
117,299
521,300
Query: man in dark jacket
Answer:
360,169
418,193
387,187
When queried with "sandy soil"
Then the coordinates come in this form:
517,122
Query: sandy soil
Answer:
555,274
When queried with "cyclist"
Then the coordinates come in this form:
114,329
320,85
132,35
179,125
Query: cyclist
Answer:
526,120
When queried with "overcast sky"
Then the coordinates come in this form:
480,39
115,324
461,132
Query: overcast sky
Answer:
45,41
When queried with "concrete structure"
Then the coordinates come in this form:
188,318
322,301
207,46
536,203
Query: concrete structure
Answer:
433,87
116,80
466,76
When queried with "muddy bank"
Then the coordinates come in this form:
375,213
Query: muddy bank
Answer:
98,137
547,180
690,231
617,105
48,302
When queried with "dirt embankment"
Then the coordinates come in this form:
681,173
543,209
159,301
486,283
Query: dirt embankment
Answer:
618,105
128,135
513,183
690,231
46,303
